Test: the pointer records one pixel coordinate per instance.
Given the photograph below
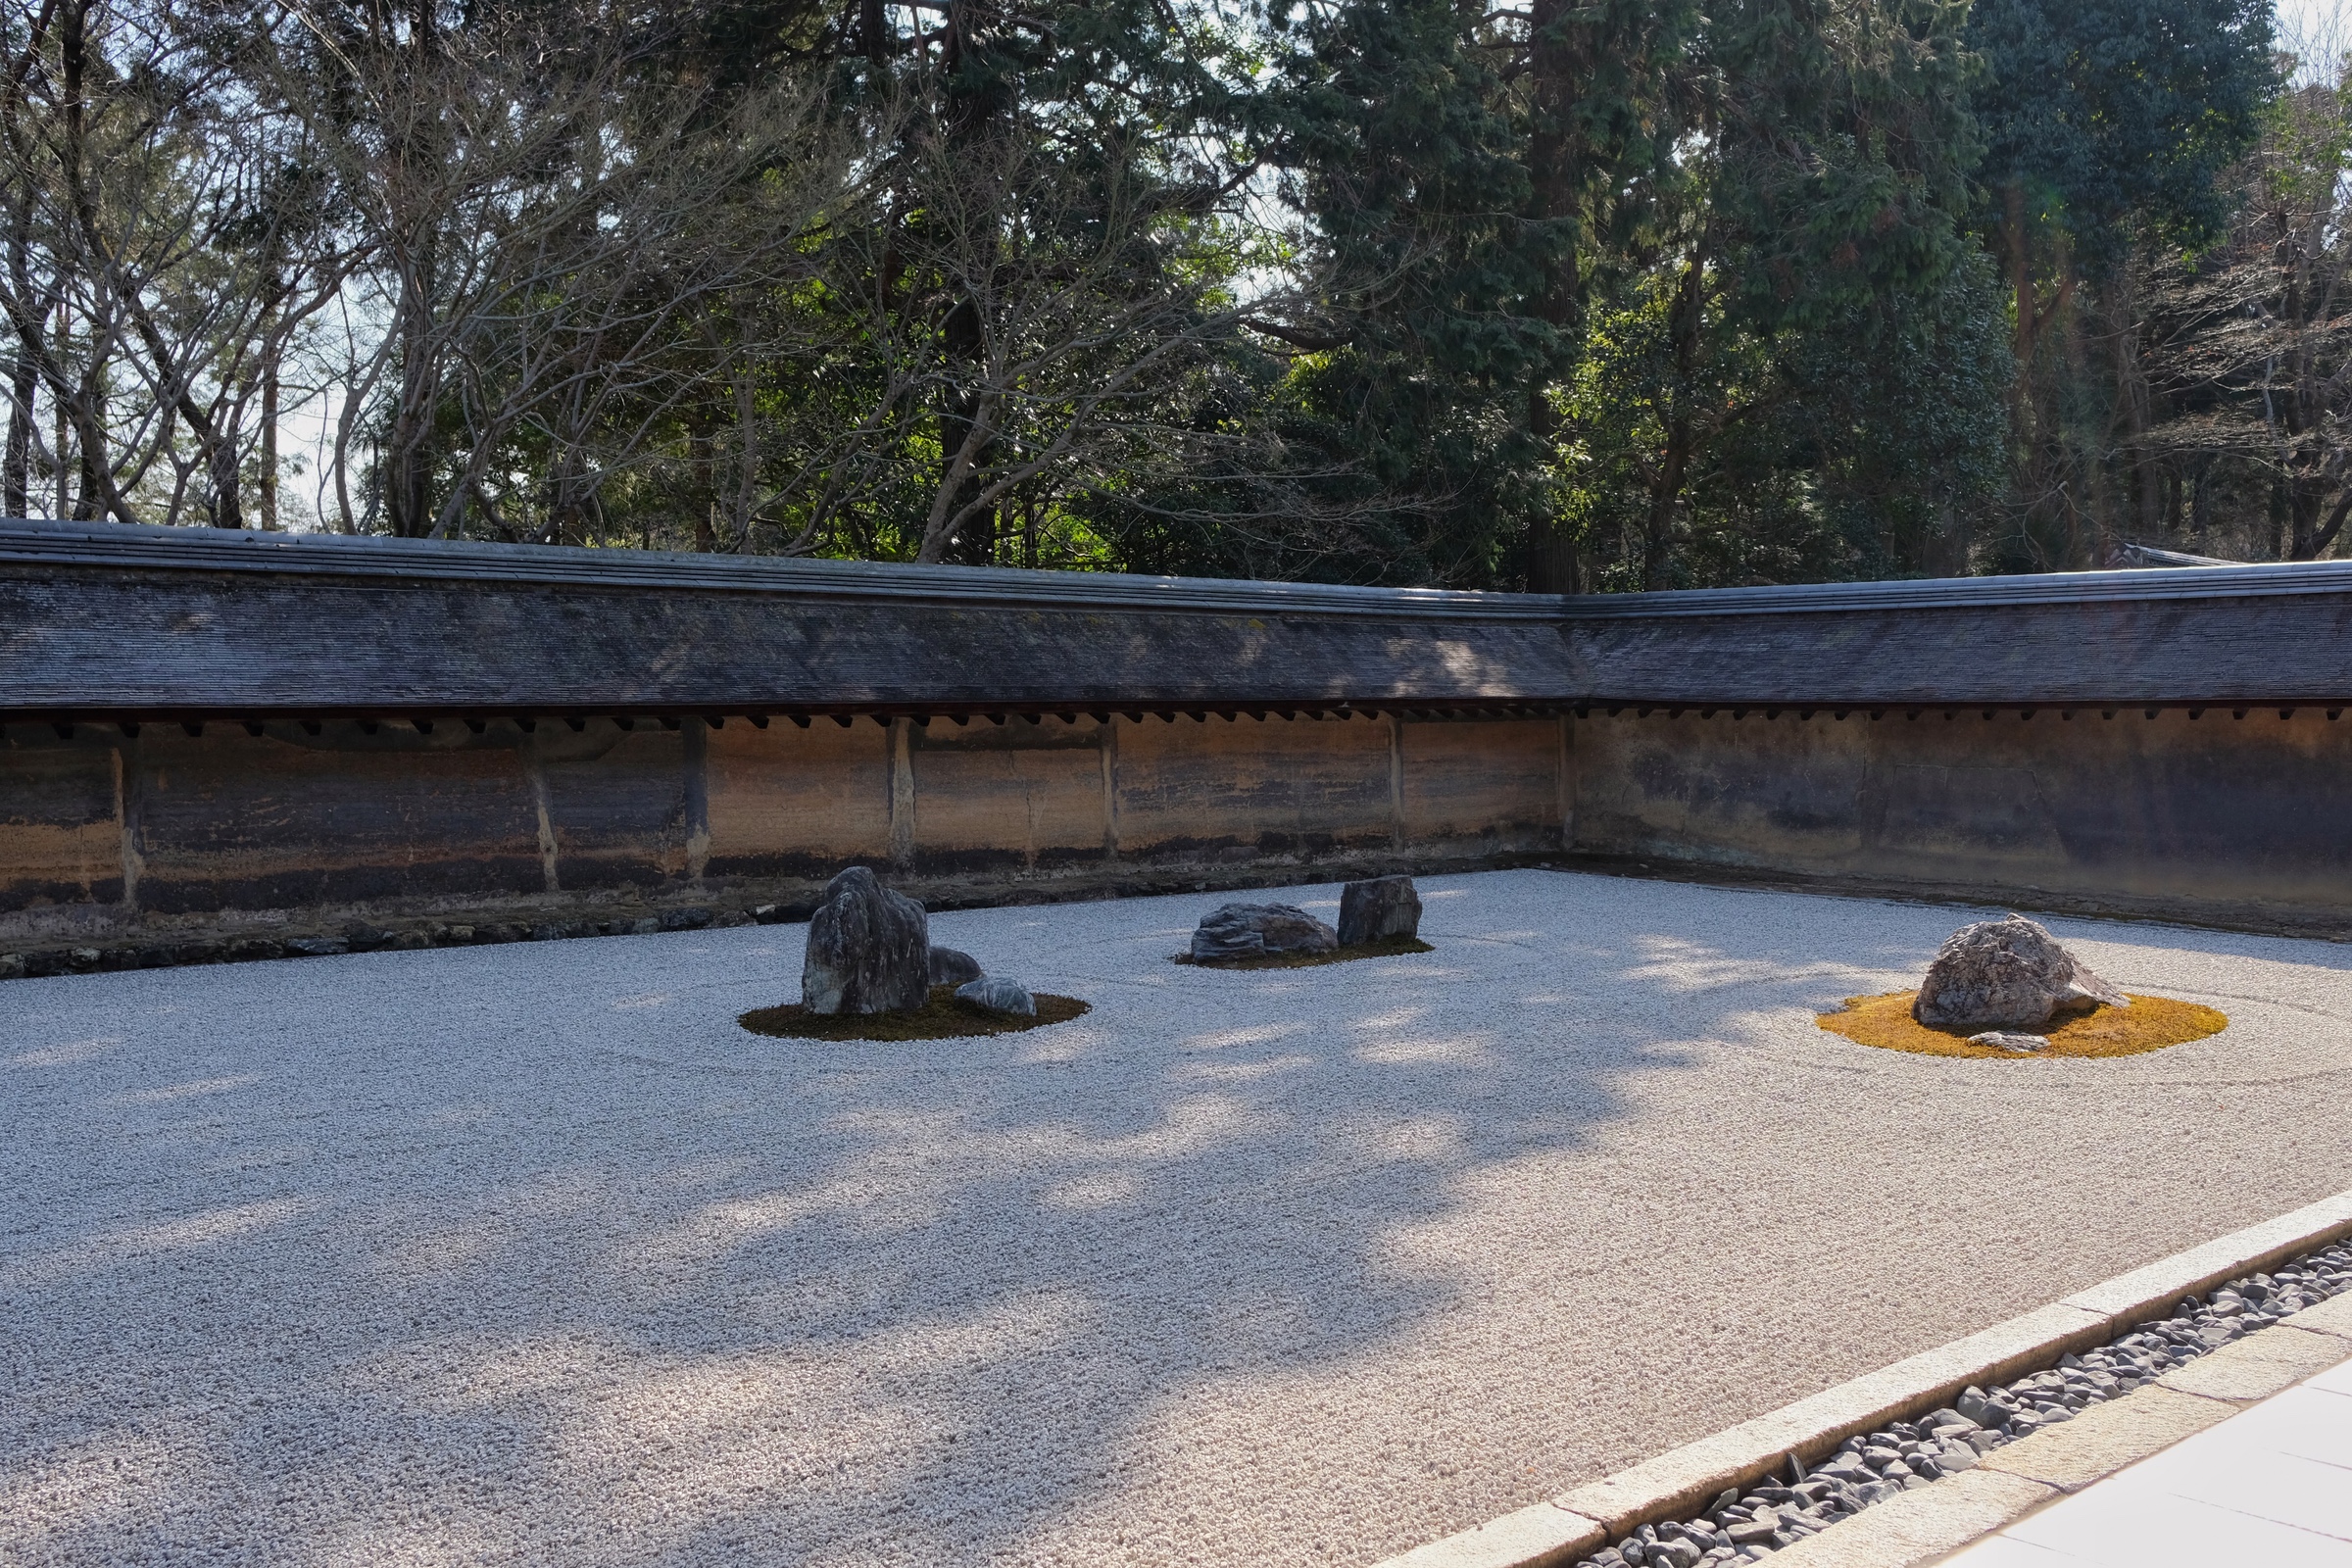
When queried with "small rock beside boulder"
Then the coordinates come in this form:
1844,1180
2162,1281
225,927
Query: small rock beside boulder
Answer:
950,966
2007,1041
2007,974
1379,909
869,950
1259,930
995,994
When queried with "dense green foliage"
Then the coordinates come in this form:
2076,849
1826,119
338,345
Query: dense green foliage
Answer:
1607,295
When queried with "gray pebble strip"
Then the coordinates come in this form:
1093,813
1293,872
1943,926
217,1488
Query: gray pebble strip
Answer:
1751,1526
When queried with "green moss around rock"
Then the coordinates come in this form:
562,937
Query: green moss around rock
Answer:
942,1017
1386,947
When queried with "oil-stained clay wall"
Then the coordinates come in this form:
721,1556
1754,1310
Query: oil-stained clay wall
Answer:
2236,820
102,832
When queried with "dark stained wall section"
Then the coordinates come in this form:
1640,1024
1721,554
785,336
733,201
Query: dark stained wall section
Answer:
289,820
381,820
61,829
2217,818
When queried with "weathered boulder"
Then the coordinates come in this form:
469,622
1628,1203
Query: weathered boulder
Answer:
869,948
995,994
953,967
2007,974
1255,930
1379,909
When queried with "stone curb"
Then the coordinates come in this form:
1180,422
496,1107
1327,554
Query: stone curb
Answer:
1682,1481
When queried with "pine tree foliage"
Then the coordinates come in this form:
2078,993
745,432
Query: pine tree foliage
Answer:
1554,294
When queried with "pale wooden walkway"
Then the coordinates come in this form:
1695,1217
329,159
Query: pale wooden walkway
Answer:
2270,1485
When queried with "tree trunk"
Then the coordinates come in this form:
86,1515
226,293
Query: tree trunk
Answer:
1682,436
272,358
408,460
59,443
2015,244
1665,497
16,470
269,475
1554,165
974,122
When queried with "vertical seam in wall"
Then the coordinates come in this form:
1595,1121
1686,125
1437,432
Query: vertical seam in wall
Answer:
1395,782
127,820
546,812
695,749
1106,743
902,793
1567,781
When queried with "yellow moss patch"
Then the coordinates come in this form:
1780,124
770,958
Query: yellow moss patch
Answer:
942,1017
2150,1023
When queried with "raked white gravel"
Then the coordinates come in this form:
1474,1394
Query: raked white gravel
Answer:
529,1255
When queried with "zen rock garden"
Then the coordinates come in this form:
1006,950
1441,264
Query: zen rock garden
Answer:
2005,977
869,957
870,950
1231,1263
2007,987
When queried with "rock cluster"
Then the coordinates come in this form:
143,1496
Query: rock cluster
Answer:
869,948
1380,908
1258,930
1751,1526
2007,974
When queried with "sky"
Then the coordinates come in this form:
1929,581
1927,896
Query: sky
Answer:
2302,23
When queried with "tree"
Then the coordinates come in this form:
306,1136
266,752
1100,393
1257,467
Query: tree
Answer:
164,243
2106,124
1813,233
2246,365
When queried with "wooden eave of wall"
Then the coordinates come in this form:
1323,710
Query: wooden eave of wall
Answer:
187,627
103,623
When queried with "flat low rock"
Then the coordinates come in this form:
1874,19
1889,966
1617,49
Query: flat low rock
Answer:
995,994
950,966
869,948
2009,1039
2009,974
1258,930
1380,908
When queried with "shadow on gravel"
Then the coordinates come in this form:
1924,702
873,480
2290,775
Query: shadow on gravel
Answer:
529,1252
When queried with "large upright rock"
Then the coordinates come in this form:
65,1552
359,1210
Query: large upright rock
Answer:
869,948
1379,909
2007,974
1258,930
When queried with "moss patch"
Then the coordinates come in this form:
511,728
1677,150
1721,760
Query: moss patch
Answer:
943,1017
1386,948
2150,1023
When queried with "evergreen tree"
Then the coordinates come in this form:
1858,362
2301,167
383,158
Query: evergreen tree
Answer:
2107,123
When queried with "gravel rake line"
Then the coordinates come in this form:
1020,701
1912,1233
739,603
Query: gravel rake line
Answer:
1751,1526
